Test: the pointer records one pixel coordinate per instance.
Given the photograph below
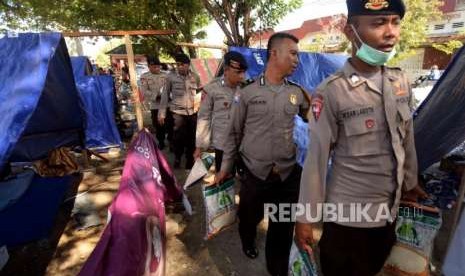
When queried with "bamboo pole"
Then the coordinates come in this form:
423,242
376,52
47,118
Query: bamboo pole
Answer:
134,88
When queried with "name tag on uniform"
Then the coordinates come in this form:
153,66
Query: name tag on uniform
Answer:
356,112
254,102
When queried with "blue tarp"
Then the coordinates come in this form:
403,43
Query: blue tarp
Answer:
81,67
439,119
98,97
33,214
312,70
39,103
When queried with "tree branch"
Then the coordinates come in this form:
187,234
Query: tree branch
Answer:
217,16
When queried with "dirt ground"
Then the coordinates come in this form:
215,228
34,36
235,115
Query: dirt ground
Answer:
188,253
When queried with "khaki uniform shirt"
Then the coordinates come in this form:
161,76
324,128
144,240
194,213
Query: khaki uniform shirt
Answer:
368,132
182,90
262,127
213,117
152,88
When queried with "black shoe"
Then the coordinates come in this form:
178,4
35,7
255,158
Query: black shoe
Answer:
177,164
251,252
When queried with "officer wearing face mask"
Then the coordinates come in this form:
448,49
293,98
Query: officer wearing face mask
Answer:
362,118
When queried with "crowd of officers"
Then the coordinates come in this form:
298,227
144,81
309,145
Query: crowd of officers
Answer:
360,117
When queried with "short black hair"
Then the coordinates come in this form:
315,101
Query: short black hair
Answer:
236,59
182,58
352,20
276,39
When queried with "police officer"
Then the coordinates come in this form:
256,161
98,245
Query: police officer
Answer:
182,86
152,84
361,117
261,135
213,117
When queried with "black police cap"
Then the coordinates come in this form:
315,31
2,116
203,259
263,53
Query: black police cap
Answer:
235,60
151,60
375,7
182,58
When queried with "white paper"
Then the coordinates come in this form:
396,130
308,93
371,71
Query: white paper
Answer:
198,172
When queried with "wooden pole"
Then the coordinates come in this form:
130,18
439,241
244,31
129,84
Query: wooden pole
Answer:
201,45
120,33
132,74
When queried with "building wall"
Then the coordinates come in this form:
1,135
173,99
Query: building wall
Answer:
435,57
453,23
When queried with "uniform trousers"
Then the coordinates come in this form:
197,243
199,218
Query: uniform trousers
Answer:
254,194
184,136
218,159
351,251
162,130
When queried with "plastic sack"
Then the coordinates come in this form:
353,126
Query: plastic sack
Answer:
403,261
200,169
301,263
220,206
134,240
417,228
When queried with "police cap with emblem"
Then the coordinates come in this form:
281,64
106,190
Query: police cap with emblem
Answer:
151,60
235,60
182,58
375,7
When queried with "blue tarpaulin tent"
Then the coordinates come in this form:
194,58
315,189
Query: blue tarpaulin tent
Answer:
312,70
40,111
98,97
39,103
81,67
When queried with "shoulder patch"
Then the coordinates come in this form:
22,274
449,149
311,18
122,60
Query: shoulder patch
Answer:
247,82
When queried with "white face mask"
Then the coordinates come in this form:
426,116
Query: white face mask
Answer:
371,55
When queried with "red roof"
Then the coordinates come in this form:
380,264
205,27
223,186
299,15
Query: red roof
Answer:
309,26
449,6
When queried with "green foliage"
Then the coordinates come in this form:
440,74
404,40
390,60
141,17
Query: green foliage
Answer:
240,18
449,47
184,16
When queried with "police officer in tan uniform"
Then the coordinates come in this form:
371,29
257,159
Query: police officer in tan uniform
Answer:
182,87
261,136
361,117
213,117
152,84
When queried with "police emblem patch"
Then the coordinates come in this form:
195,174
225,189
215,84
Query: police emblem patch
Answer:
293,99
376,5
317,106
370,123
